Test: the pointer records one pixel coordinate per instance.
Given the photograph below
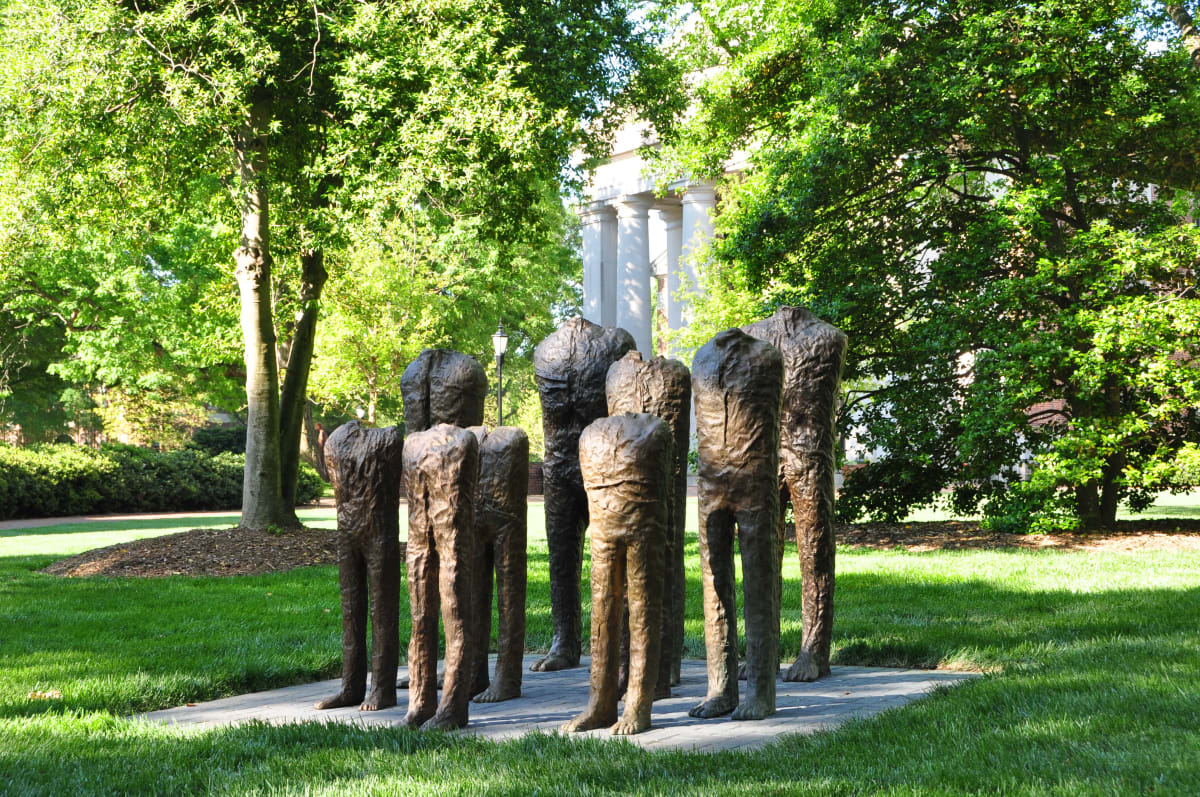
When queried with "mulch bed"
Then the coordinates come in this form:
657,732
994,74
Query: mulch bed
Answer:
237,552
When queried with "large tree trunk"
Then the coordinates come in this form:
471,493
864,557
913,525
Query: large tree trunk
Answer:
1187,29
262,497
294,398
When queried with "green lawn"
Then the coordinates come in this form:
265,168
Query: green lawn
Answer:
1092,684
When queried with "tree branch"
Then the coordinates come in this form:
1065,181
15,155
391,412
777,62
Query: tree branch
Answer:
1187,29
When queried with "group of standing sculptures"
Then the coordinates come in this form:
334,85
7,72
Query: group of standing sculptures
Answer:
617,433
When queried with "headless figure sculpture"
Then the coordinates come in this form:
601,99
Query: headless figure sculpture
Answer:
501,499
813,352
737,383
444,386
627,470
364,466
570,367
441,467
661,387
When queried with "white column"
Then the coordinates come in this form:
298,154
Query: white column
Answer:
633,269
592,217
672,216
608,268
698,202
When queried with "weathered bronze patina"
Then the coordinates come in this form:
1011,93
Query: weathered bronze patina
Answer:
443,386
813,353
662,387
364,466
737,383
441,467
570,367
501,499
626,463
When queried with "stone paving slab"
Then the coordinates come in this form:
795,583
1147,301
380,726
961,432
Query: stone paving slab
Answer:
550,699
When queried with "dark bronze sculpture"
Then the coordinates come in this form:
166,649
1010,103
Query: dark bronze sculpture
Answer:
441,467
737,383
627,469
570,367
364,466
443,386
501,499
662,387
813,353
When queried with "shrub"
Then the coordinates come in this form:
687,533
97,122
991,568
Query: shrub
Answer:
219,440
52,480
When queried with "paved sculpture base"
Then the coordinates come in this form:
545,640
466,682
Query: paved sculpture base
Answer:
549,699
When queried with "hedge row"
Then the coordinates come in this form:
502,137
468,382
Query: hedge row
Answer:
55,480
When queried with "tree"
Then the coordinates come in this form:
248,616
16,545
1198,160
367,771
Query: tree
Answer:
124,121
992,201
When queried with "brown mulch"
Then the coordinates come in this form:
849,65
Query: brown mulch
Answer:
237,552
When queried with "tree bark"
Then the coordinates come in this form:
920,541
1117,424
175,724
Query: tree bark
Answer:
310,449
294,397
1187,29
262,497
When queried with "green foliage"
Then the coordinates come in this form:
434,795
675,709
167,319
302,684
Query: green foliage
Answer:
214,440
52,480
992,201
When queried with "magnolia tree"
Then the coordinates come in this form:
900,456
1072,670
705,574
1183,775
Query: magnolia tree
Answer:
995,202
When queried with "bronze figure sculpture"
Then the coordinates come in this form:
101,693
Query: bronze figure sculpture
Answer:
364,466
441,467
501,499
662,387
570,367
737,383
443,386
813,353
627,470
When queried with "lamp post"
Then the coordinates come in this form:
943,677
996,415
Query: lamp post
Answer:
500,345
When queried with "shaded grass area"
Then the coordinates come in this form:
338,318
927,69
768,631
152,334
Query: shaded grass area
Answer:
1093,685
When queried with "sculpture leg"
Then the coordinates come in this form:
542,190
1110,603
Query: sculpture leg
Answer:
455,584
352,581
384,571
481,615
644,565
566,519
758,535
422,562
608,599
678,581
813,507
510,597
720,611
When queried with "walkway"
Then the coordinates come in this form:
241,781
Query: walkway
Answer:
550,699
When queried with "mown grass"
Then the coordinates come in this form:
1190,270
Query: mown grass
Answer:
1092,684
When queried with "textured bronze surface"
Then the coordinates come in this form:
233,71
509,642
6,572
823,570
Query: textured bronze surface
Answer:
626,463
813,353
501,509
737,384
662,387
570,367
443,386
364,466
441,468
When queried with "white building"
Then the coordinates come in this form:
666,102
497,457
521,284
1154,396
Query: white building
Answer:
637,245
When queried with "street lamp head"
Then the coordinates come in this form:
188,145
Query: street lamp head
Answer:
500,341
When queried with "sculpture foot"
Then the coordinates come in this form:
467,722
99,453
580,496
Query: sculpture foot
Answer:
416,718
340,700
805,668
444,722
629,725
753,708
552,662
379,698
498,692
590,720
662,691
676,678
714,707
742,672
